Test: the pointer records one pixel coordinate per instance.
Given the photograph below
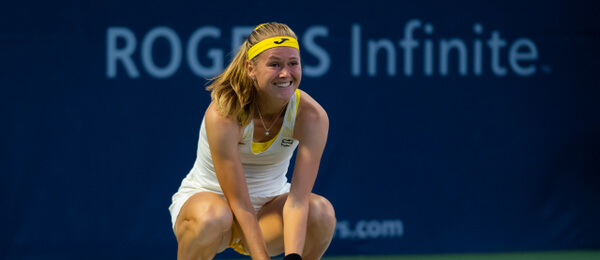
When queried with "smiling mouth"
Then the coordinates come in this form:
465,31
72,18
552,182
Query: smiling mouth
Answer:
283,85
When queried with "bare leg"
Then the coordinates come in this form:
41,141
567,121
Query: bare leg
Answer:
320,226
203,227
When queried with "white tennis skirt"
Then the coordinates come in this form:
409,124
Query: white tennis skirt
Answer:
184,194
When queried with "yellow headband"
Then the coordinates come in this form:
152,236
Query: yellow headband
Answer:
260,25
279,41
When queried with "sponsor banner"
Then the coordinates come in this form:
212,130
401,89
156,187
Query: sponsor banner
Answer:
439,56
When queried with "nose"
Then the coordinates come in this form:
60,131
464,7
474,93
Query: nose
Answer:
284,72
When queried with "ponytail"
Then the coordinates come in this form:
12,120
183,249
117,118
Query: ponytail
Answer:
233,90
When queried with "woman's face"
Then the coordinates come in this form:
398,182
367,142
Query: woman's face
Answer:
277,72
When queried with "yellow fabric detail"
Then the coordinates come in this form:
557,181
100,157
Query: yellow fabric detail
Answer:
297,99
279,41
261,147
236,241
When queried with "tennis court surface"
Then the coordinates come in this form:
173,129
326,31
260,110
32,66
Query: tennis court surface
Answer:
559,255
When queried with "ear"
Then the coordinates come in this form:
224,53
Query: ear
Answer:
250,69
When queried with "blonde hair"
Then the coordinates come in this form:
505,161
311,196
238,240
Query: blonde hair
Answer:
233,90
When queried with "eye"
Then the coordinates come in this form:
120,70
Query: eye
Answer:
273,64
293,63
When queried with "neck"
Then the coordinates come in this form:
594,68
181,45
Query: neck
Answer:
271,109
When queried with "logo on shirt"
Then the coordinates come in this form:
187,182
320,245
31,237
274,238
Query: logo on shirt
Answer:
286,142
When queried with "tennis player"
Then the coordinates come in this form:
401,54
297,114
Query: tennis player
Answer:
237,194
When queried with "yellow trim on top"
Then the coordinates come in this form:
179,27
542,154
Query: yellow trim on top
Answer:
261,147
258,147
297,100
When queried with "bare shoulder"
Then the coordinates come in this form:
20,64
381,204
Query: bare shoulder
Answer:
311,118
310,110
220,126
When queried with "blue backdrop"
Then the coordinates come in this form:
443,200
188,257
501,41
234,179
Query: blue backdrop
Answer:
456,126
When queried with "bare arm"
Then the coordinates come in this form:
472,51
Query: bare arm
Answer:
223,137
312,126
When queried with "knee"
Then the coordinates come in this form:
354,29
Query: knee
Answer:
321,214
207,223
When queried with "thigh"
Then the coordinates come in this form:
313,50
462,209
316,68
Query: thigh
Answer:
270,220
205,209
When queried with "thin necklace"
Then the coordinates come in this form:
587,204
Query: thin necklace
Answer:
274,121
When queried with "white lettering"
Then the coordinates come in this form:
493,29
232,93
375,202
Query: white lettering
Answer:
514,56
216,55
372,48
445,47
522,50
495,43
308,40
428,56
409,43
113,34
369,229
521,57
238,37
147,58
356,50
477,52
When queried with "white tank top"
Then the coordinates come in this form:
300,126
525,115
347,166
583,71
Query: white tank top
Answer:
265,171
